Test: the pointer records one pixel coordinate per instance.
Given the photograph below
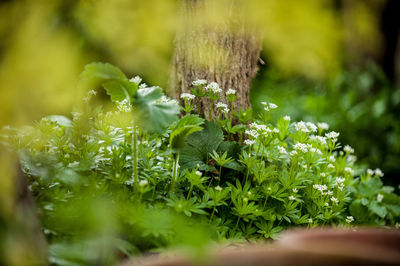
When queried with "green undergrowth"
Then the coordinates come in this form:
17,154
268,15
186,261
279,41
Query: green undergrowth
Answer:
150,174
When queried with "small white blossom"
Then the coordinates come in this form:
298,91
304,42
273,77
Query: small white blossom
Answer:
378,172
326,204
198,173
124,106
370,172
199,82
292,197
230,92
275,130
136,80
329,193
214,87
340,180
322,175
331,166
264,103
187,96
349,170
310,221
273,106
143,86
348,149
341,187
282,150
221,105
301,147
225,110
249,142
332,135
312,127
334,200
379,198
323,126
143,183
332,159
320,188
293,153
301,127
286,118
294,190
349,219
252,133
92,93
218,188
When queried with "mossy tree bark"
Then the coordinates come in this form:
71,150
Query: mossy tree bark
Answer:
225,51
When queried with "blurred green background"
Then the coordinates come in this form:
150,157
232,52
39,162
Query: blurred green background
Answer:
334,61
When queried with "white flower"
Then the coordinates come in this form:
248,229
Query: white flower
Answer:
275,130
301,147
286,118
273,106
264,103
379,172
370,172
292,197
199,173
249,142
332,135
214,87
282,150
320,139
187,96
221,105
293,153
329,193
301,126
349,219
312,127
322,174
351,158
348,149
323,126
92,92
334,200
252,133
142,86
331,166
294,190
304,166
230,92
199,82
165,99
340,180
218,188
310,221
143,183
348,170
341,187
379,198
332,159
123,106
225,110
326,204
136,80
266,109
320,188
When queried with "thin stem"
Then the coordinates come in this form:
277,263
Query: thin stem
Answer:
174,172
237,223
219,176
134,155
211,109
190,192
212,214
199,105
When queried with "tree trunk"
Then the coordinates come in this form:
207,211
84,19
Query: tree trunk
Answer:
223,51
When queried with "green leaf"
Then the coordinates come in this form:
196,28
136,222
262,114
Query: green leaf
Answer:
152,114
377,209
199,145
186,126
359,211
114,81
370,187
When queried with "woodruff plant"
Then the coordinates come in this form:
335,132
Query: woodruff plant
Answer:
245,181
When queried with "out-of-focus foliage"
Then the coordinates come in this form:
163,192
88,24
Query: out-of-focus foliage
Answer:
360,103
107,190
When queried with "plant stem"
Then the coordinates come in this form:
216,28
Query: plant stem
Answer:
219,177
174,172
212,214
211,109
190,192
198,105
134,155
237,223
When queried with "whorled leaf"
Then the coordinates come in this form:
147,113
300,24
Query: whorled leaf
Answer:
186,126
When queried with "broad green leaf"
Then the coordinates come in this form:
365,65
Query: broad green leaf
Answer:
186,126
152,114
377,209
370,187
114,81
199,145
359,211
